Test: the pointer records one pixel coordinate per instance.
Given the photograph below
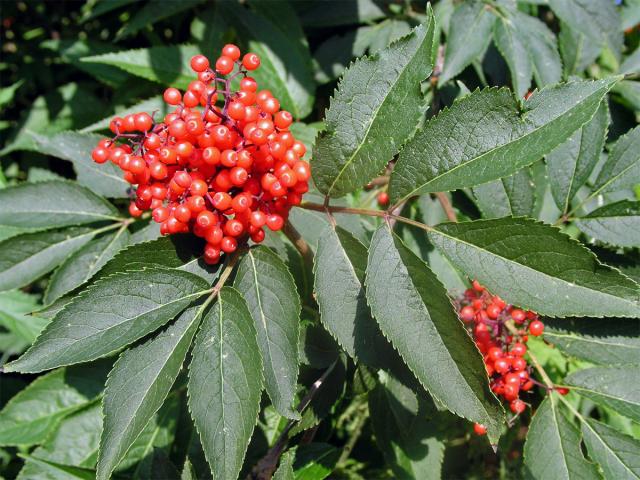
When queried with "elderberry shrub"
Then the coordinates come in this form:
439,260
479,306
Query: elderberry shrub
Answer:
222,164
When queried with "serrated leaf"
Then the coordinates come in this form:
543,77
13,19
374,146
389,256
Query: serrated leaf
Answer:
571,163
285,469
513,195
285,69
82,265
416,315
617,454
34,412
167,65
606,342
617,224
109,315
468,38
615,387
105,179
406,430
598,21
225,383
339,269
562,277
552,448
52,204
25,258
485,136
374,92
138,385
622,168
543,49
513,47
577,50
14,307
270,292
154,11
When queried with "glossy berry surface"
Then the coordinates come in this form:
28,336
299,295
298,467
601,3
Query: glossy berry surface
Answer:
221,164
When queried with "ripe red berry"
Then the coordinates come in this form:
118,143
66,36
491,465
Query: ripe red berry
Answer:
383,199
224,65
517,406
479,429
251,61
562,390
172,96
199,63
536,328
232,51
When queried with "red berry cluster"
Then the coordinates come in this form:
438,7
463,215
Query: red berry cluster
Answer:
222,164
486,316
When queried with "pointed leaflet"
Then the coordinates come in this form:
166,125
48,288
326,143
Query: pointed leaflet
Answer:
285,469
406,430
512,46
34,412
109,315
103,179
52,204
339,266
270,292
615,387
167,65
603,341
138,385
617,224
485,136
285,69
552,448
469,36
79,267
534,266
416,315
15,305
571,163
513,195
225,383
617,454
377,106
25,258
622,168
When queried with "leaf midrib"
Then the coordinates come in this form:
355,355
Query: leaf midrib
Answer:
603,442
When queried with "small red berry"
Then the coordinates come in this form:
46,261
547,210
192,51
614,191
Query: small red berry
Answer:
199,63
479,429
536,328
251,61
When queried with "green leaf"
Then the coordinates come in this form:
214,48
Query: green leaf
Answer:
285,68
615,387
339,267
52,204
536,267
270,292
82,265
103,179
444,156
552,448
374,93
606,342
167,65
617,454
138,385
152,12
58,471
631,64
109,315
628,94
577,50
14,305
598,21
513,195
512,44
416,315
570,164
622,168
468,38
225,383
34,412
331,13
543,49
406,429
7,93
25,258
315,461
617,224
285,469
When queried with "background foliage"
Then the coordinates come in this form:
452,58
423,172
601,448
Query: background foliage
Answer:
545,190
